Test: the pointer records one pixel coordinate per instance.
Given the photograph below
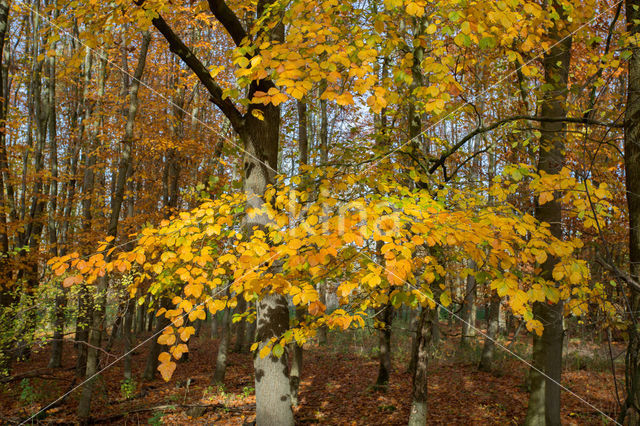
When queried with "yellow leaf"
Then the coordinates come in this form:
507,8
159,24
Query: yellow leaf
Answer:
167,339
164,357
414,9
199,314
167,369
264,351
445,299
545,197
186,333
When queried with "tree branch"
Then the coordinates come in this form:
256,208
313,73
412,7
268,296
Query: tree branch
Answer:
228,19
177,46
579,120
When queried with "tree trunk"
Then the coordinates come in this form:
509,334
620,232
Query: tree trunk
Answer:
488,350
418,413
547,352
632,168
129,337
223,348
469,307
260,138
384,345
241,325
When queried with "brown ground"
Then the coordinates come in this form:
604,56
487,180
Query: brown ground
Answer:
336,389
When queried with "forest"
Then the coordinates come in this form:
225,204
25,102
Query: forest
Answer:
280,212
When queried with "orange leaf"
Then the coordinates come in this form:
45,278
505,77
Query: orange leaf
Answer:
167,369
69,281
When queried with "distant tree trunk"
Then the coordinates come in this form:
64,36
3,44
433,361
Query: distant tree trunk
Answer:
6,298
250,336
544,400
415,339
486,360
241,326
324,159
631,409
85,305
296,349
384,345
223,348
55,360
469,307
129,337
296,361
419,412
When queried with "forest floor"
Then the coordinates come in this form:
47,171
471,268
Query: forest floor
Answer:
336,388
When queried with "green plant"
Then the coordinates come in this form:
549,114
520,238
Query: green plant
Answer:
156,419
27,392
128,388
247,390
207,392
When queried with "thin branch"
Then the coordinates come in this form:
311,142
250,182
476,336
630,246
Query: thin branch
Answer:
484,129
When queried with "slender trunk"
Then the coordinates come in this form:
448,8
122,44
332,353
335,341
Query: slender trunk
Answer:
547,353
488,350
250,336
241,326
55,360
384,345
6,297
296,361
415,339
419,412
129,338
88,186
469,307
223,348
632,169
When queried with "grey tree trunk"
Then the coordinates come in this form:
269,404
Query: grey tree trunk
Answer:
419,409
241,326
129,337
261,144
544,401
384,346
469,307
223,348
488,350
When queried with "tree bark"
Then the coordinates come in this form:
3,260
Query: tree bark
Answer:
631,409
547,352
419,409
223,348
469,307
488,350
384,345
